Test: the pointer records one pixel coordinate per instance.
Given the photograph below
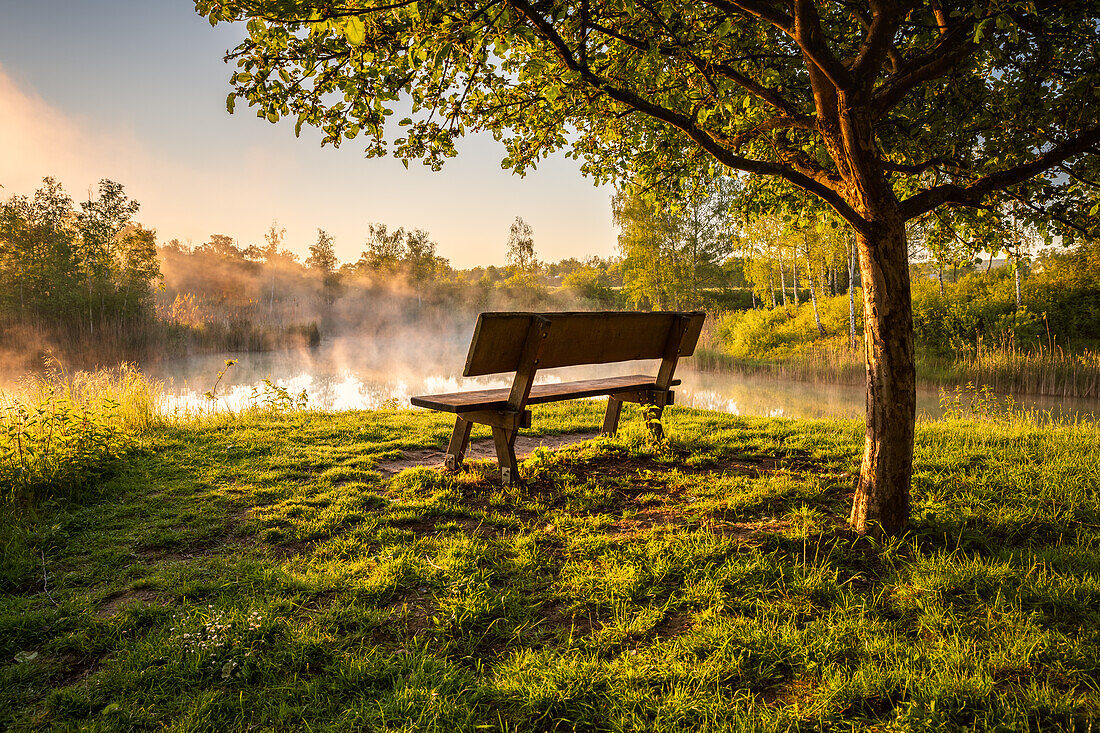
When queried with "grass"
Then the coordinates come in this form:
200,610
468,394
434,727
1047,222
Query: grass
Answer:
264,571
1046,371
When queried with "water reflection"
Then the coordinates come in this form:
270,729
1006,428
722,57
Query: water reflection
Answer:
367,375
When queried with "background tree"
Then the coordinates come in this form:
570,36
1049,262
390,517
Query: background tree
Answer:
138,272
223,245
40,274
651,279
99,224
421,262
322,254
384,252
76,271
701,210
884,111
674,241
521,250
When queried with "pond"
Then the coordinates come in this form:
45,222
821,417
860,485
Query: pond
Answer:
367,373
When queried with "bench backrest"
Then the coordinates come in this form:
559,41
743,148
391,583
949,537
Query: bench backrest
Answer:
579,338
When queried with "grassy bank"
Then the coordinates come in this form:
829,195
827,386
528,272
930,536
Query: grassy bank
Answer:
269,572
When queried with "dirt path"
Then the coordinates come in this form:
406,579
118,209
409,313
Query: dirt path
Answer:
481,449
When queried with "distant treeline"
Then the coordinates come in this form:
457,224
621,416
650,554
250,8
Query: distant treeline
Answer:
88,279
89,283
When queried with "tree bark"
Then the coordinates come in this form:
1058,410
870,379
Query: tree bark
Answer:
817,317
810,286
1016,267
882,497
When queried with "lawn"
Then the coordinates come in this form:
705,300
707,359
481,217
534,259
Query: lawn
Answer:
268,571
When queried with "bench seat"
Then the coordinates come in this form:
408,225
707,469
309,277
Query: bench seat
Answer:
497,399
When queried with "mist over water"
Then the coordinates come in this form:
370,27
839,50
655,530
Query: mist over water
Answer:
367,372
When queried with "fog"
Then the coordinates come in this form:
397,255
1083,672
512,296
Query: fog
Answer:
372,337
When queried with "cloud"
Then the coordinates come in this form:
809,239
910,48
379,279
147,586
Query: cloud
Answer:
36,140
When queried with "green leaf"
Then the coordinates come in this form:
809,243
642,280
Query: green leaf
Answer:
230,102
354,31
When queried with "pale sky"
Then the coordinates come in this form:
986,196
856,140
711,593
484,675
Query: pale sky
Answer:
134,90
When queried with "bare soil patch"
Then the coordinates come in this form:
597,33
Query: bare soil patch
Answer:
117,601
75,669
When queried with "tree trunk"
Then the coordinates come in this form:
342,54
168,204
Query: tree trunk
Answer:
852,296
783,283
813,299
881,501
1016,272
794,281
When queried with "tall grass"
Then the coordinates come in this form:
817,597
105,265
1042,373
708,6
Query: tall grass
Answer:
1042,371
830,364
785,343
61,433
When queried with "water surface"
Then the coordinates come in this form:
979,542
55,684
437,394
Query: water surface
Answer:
351,374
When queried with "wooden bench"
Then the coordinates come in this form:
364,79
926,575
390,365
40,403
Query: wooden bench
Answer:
526,342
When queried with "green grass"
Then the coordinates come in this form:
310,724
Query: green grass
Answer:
261,572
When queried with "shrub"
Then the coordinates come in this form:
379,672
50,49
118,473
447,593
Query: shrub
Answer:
59,435
784,332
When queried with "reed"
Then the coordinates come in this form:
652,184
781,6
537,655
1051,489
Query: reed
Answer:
786,345
1040,371
825,364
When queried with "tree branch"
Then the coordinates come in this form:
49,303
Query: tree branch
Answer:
762,10
769,96
811,39
972,195
880,39
915,168
817,186
952,48
1050,215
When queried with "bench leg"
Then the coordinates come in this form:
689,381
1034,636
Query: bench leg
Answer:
505,441
611,416
460,439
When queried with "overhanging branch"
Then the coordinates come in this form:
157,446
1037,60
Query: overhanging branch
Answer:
685,123
972,195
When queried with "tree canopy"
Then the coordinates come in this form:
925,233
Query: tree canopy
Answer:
883,110
965,98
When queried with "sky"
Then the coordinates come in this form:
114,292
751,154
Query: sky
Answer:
134,91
